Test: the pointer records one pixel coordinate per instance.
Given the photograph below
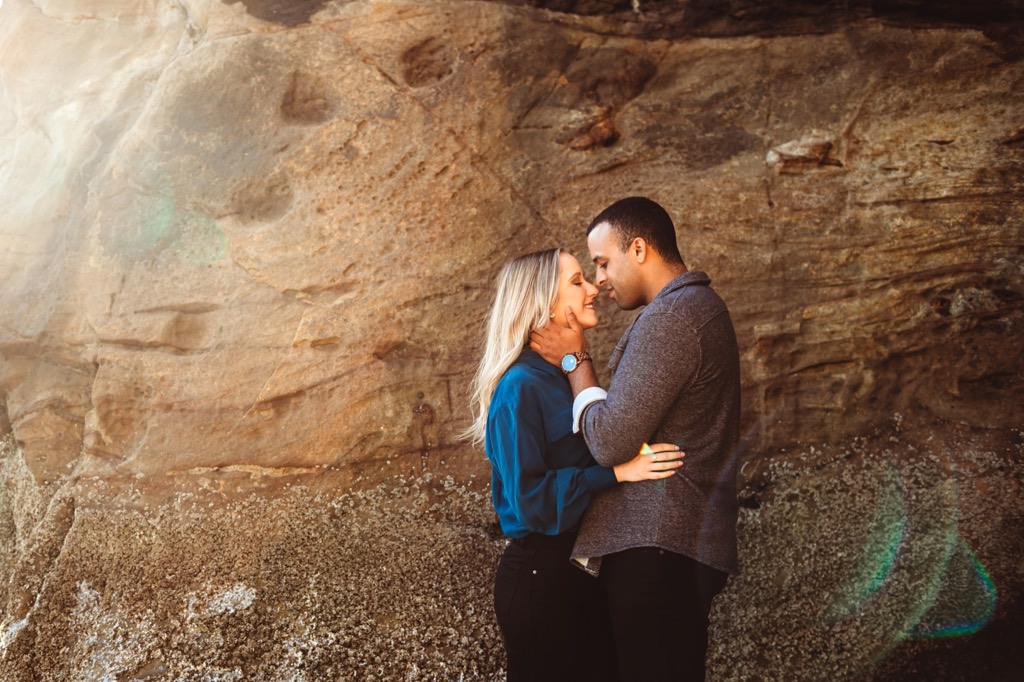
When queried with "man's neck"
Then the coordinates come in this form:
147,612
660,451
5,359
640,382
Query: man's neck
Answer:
660,277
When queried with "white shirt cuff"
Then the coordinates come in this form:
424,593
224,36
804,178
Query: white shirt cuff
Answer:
585,398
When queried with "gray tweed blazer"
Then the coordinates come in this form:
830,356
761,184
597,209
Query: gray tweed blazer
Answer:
675,379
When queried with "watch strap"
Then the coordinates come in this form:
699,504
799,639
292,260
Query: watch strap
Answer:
581,356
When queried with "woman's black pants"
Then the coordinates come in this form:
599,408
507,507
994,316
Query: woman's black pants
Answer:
553,616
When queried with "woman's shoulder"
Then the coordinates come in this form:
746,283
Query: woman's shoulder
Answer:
520,377
527,376
530,392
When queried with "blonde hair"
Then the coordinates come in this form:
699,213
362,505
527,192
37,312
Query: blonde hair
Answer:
527,289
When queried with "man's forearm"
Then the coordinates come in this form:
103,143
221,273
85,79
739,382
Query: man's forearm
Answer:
583,377
585,391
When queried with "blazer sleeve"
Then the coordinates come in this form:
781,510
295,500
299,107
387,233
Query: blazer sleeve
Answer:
659,363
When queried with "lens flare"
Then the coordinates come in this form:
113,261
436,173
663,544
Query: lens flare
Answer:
915,575
965,602
886,535
160,225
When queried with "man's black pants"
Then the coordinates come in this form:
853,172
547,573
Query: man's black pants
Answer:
659,603
553,616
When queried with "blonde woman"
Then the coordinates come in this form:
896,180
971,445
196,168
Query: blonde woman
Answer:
552,615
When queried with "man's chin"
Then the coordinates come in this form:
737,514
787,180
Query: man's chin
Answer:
614,296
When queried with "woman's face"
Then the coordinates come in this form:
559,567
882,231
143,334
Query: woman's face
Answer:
574,291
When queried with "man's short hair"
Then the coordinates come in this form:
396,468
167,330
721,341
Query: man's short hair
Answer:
634,217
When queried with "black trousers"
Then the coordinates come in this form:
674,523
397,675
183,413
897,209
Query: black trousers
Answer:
659,603
553,616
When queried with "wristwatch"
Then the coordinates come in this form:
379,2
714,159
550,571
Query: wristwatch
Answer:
571,361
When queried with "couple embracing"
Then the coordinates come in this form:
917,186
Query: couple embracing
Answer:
617,547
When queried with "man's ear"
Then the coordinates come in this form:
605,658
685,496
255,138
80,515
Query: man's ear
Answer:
638,249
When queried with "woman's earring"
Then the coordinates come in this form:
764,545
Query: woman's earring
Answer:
551,316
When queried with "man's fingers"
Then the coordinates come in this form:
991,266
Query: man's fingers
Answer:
570,318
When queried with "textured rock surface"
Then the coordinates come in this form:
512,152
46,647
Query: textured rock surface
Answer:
247,246
225,228
308,584
879,561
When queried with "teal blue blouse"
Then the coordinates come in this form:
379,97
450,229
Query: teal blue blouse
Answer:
542,474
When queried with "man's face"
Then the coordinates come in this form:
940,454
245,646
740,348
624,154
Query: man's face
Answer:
615,269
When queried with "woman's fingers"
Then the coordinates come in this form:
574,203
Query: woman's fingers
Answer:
665,468
665,452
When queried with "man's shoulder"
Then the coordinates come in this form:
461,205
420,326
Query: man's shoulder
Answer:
689,298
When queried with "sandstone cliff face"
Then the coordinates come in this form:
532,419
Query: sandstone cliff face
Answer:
223,228
254,242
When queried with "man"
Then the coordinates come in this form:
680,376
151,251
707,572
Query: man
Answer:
662,549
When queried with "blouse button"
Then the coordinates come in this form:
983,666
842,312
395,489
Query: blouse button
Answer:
535,572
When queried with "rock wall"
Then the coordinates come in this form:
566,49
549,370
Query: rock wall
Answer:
249,245
224,226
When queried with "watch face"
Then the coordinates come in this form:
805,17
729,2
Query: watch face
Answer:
569,363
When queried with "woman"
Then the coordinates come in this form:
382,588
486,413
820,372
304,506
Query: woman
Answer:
551,613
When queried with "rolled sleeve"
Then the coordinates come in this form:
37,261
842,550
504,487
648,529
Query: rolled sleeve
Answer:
587,397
